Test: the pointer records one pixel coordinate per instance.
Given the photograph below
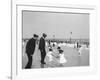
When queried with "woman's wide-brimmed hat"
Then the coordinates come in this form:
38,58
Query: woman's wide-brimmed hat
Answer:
61,51
58,48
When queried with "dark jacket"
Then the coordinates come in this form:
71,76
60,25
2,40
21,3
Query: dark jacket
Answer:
30,46
42,44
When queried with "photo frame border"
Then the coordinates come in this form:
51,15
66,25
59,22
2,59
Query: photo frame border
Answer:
14,57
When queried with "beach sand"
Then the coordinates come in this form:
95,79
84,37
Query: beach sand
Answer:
71,54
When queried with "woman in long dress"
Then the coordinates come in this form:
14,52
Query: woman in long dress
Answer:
50,58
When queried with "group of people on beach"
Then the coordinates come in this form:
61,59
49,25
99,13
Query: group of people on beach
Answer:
56,55
30,48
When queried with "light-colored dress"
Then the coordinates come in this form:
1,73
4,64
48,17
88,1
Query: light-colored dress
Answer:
80,50
49,54
62,59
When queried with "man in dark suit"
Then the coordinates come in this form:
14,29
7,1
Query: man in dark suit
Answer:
30,47
42,48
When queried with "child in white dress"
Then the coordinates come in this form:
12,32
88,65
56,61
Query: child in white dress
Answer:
50,55
62,60
80,50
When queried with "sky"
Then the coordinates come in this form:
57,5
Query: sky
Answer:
58,24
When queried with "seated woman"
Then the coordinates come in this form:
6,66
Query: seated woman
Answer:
51,58
50,55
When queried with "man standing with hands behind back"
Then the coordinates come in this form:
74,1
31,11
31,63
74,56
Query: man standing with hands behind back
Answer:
42,48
